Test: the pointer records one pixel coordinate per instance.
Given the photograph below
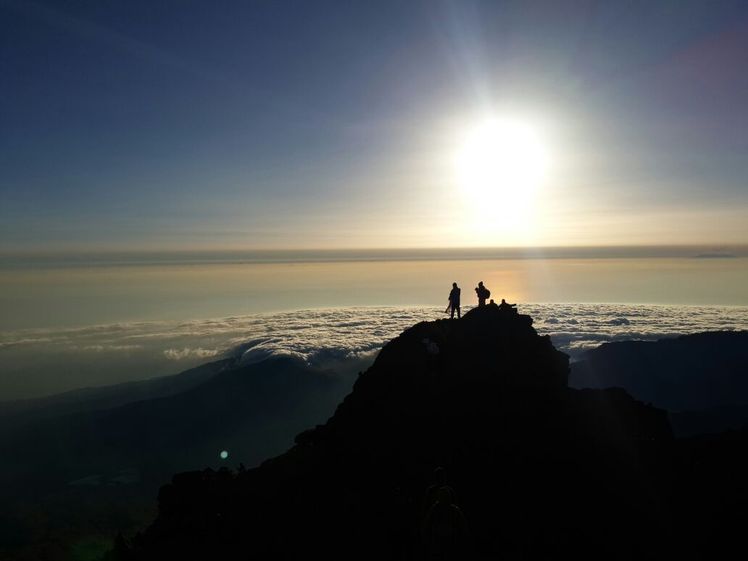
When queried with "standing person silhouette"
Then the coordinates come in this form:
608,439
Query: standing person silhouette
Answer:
483,294
454,301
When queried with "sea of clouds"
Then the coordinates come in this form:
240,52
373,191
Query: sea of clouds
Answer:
39,362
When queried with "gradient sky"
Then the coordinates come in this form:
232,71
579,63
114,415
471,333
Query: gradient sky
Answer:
182,124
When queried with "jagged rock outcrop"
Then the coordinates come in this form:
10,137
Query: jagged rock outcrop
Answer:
540,470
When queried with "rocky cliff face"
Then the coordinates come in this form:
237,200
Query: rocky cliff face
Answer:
534,469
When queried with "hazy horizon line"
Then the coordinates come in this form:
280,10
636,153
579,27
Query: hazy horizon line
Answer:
135,257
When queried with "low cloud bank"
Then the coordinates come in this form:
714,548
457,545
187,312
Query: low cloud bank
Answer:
44,361
180,354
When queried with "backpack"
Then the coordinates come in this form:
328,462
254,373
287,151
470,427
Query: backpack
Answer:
486,293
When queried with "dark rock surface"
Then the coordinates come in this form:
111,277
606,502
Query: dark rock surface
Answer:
539,470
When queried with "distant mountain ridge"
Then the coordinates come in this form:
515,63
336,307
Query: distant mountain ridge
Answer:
106,397
702,379
234,405
91,468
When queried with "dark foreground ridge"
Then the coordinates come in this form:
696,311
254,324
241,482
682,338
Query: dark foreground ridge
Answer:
534,469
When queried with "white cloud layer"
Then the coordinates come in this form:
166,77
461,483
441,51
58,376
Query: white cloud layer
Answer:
42,361
179,354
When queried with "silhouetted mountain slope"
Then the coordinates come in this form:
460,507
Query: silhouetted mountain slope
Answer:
540,470
712,492
95,471
251,411
16,413
702,378
709,421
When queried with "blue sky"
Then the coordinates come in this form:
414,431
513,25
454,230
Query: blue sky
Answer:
131,125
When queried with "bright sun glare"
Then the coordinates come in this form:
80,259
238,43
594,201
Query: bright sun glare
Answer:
501,163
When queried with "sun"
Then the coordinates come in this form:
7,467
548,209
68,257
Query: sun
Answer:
500,165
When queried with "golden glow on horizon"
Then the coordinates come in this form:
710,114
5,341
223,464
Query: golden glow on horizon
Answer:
500,165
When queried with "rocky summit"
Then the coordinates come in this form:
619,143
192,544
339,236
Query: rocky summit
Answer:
461,441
